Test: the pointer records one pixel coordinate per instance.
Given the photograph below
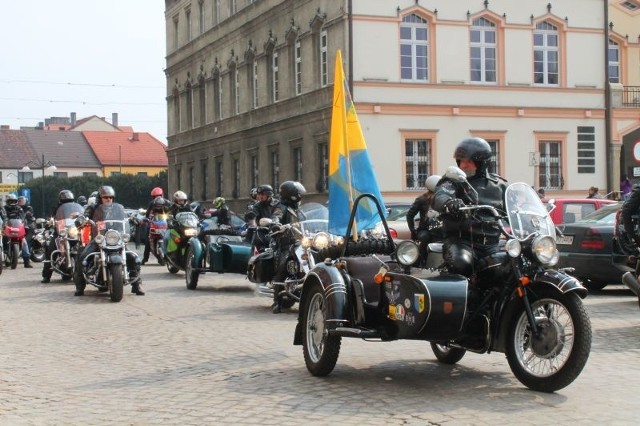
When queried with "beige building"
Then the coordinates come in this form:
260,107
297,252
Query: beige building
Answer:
249,87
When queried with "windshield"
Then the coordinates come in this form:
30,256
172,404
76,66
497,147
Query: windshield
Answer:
187,219
111,217
66,213
312,218
604,216
527,215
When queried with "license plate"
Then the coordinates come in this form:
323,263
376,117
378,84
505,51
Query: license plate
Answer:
565,239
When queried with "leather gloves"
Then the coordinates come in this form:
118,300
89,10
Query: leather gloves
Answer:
453,206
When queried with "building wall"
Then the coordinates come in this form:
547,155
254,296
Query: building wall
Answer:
445,109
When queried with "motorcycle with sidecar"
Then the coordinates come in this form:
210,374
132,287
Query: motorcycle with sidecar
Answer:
515,302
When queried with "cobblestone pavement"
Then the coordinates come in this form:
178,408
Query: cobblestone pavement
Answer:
217,355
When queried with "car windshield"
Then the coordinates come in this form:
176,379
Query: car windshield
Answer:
604,216
398,214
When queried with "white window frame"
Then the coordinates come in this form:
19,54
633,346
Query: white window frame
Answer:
485,29
254,79
324,62
416,25
417,167
614,65
298,66
274,77
547,32
550,163
236,77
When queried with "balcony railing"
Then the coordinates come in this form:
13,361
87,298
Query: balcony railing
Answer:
631,97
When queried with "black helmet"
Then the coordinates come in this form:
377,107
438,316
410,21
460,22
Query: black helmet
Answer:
82,200
106,191
291,191
265,189
158,202
11,199
66,196
476,150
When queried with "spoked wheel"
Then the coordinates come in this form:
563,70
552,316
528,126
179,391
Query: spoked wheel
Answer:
556,356
192,276
320,350
446,354
117,282
37,255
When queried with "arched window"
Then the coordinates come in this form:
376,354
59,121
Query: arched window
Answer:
483,51
414,48
546,54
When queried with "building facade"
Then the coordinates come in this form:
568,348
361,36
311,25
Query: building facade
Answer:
249,87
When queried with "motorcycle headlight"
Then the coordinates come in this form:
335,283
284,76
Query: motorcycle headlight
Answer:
306,242
190,232
338,240
126,237
513,247
544,247
407,253
99,239
73,232
63,233
112,237
321,240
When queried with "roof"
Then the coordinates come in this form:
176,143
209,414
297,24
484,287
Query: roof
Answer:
15,150
93,123
64,149
127,149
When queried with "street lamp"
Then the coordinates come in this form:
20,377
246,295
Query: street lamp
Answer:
42,165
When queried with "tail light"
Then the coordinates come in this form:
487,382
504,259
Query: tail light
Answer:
393,232
592,240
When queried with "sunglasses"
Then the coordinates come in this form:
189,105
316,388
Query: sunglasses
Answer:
107,198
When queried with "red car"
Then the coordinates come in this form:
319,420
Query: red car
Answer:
569,210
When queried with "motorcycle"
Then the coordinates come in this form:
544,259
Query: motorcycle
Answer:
514,303
176,240
67,241
280,269
14,234
157,228
39,239
106,268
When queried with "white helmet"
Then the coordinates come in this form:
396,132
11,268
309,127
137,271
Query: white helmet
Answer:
431,182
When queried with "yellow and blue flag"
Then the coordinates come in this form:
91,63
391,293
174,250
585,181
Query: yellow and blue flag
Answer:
350,170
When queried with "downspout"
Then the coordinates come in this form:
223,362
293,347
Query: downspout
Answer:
350,42
607,100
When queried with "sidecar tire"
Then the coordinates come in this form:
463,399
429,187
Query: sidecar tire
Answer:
117,282
553,362
447,355
191,276
320,350
172,269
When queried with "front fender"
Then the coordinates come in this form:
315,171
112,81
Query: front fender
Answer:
334,286
198,252
115,258
563,282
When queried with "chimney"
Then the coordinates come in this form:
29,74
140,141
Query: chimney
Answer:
135,137
5,127
73,119
114,119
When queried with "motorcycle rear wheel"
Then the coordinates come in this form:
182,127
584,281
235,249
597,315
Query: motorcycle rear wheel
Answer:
191,275
117,282
555,358
15,255
446,354
320,350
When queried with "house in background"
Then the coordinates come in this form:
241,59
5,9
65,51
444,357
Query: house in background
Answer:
127,152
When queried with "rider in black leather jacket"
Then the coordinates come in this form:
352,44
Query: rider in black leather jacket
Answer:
467,240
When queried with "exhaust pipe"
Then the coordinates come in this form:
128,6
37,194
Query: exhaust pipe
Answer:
632,283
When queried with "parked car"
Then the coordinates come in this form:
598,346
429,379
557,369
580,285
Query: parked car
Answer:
588,246
397,221
570,210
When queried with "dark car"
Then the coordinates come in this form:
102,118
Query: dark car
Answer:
588,246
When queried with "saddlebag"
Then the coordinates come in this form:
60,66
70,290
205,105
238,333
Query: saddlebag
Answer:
229,256
261,268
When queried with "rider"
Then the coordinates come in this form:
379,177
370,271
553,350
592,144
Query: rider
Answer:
158,205
14,211
265,207
82,200
221,212
64,196
426,232
467,240
180,203
96,212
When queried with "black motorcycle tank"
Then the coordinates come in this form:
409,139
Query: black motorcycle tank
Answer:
430,309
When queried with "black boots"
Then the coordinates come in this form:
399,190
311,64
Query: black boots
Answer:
137,289
27,263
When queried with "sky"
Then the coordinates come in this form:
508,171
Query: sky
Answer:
91,57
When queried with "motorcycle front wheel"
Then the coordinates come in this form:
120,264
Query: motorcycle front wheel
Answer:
117,282
556,356
37,254
192,276
15,255
320,350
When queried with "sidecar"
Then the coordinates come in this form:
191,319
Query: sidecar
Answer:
216,250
